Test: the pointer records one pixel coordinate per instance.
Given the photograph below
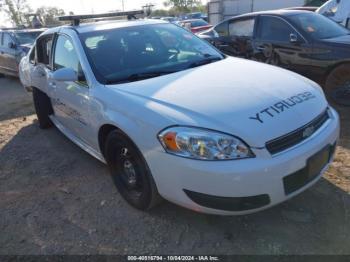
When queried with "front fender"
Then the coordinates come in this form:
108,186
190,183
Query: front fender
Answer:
129,114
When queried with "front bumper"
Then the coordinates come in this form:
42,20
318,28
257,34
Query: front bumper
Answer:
251,184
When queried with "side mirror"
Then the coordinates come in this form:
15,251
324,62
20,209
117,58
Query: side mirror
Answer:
12,45
293,38
65,75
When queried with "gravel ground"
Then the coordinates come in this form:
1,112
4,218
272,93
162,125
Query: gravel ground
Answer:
56,199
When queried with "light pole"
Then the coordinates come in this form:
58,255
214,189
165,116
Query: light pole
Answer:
252,6
123,5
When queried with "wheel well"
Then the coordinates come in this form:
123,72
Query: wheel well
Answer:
331,69
102,135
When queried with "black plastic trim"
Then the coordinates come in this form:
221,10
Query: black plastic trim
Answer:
229,203
301,178
297,136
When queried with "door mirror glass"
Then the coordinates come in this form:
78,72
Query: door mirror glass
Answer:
294,38
65,75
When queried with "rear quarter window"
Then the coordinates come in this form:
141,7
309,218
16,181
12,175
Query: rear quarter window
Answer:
222,29
242,28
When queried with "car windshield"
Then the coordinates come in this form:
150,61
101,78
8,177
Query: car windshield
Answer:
318,26
25,38
141,52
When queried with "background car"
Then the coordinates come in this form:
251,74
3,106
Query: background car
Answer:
195,25
336,10
14,44
304,42
197,15
170,19
303,8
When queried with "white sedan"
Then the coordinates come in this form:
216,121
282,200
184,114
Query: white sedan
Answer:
174,118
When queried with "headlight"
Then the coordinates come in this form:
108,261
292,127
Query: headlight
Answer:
203,144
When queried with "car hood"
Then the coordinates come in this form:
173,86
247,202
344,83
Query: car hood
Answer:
254,101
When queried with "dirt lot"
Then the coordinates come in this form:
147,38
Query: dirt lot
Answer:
56,199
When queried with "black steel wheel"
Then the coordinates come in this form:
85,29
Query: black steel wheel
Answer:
130,172
43,108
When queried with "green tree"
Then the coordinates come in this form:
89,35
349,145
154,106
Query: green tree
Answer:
16,10
49,14
160,12
183,5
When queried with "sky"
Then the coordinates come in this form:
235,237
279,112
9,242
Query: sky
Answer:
88,6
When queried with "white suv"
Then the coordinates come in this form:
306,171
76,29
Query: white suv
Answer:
173,117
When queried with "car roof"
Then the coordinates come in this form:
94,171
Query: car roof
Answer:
107,25
278,12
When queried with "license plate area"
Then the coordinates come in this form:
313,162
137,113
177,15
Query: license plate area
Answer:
314,166
316,163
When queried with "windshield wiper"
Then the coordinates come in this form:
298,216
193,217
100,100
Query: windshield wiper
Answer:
139,76
205,61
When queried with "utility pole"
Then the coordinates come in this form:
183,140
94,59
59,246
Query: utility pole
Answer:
148,9
123,7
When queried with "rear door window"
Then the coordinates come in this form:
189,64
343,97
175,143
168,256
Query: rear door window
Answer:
7,39
242,27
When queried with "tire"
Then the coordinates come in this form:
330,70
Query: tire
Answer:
43,108
274,59
337,87
130,172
